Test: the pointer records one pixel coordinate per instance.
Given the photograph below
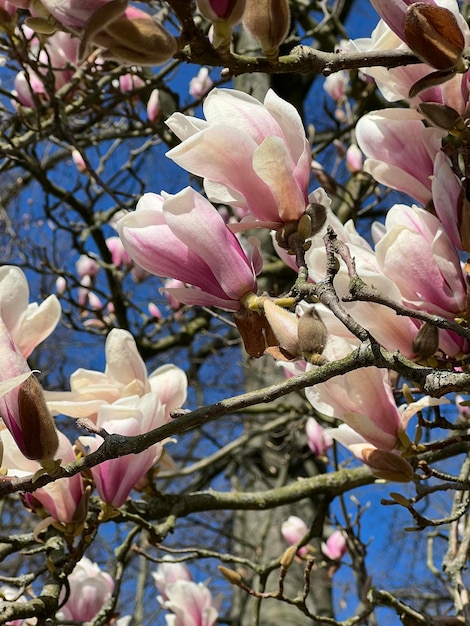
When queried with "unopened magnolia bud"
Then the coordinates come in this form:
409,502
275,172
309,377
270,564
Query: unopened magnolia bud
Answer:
312,335
284,325
139,41
433,33
230,11
98,21
288,557
269,22
388,465
37,425
317,214
426,341
230,575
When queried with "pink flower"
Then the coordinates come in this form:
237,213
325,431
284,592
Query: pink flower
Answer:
125,375
191,604
337,84
90,589
153,106
62,498
119,255
184,237
200,84
133,415
400,150
294,530
335,547
28,324
450,206
252,156
364,400
415,252
169,573
318,440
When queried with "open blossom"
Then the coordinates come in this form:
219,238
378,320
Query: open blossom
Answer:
191,603
28,324
22,405
415,252
60,499
125,375
90,589
252,156
184,237
132,415
335,546
293,530
400,150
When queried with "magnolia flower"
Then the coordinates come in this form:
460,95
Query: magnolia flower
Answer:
252,156
400,150
191,604
392,331
125,375
184,237
294,530
28,324
415,252
22,406
319,441
61,499
168,573
90,589
132,415
335,546
200,84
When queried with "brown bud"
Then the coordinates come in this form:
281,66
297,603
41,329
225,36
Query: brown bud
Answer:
433,33
426,341
312,334
288,557
388,465
139,41
317,213
230,575
40,440
268,21
284,325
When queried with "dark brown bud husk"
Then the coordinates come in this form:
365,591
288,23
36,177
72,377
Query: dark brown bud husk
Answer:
40,440
432,32
255,331
426,341
442,116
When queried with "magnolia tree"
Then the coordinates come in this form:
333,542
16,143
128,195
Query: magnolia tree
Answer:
235,397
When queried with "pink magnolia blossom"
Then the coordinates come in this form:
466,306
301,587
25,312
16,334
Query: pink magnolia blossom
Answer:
200,84
132,415
335,546
87,266
191,604
22,405
294,530
153,106
252,156
125,375
168,573
28,324
447,197
318,440
415,252
62,498
392,331
364,400
400,150
184,237
337,84
119,254
395,83
90,589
